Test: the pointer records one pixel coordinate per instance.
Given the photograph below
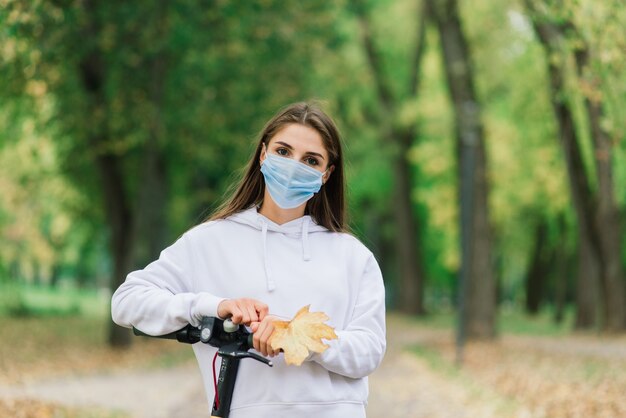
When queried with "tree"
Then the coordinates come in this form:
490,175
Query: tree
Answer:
472,172
607,219
399,138
538,269
153,110
597,212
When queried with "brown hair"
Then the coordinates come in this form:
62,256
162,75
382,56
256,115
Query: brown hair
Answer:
327,207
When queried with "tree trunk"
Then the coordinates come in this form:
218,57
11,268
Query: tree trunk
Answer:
562,270
538,270
582,197
120,220
117,208
408,252
607,219
587,284
475,230
151,225
55,275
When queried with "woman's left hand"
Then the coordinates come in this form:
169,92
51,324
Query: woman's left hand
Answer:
262,335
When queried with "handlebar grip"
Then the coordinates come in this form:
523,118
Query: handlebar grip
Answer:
188,335
170,336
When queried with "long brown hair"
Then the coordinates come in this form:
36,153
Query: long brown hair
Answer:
327,207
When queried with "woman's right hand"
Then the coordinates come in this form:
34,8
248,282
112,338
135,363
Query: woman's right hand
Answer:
262,338
243,310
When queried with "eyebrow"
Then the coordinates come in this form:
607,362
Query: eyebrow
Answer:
286,145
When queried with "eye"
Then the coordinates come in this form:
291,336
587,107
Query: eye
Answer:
311,161
282,151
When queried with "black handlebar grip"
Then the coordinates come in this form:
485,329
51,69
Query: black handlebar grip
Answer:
170,336
188,335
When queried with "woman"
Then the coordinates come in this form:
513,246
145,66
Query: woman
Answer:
278,244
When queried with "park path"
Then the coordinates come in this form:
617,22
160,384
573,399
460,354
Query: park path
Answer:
137,393
406,385
403,386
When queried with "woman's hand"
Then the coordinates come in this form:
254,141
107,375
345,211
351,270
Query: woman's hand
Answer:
243,310
262,334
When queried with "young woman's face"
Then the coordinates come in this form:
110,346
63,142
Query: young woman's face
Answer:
302,144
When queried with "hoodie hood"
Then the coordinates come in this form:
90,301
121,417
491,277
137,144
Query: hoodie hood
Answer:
301,227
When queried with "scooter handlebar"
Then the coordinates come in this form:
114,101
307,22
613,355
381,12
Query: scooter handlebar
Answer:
212,331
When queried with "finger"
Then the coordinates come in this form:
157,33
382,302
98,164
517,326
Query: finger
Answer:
277,352
266,349
257,338
254,326
252,313
243,308
223,309
270,350
262,309
236,314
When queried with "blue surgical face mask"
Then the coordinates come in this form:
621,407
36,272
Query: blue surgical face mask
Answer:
289,182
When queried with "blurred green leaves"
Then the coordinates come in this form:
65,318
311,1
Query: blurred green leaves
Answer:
196,81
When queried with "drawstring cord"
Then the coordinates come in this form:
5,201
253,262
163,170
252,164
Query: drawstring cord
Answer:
306,256
268,273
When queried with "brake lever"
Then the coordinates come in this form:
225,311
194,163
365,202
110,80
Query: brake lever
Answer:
233,351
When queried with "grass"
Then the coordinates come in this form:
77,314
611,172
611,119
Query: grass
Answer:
542,324
39,301
509,321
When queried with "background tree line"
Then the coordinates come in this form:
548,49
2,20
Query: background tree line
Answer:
482,137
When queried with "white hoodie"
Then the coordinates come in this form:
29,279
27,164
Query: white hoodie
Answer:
287,267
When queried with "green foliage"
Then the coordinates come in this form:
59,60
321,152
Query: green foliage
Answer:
24,301
193,84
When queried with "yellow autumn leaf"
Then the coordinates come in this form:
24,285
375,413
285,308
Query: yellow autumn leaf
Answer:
302,335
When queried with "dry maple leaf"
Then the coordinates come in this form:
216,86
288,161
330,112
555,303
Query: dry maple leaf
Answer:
302,334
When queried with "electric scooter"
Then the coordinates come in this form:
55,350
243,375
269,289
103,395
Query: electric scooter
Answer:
232,342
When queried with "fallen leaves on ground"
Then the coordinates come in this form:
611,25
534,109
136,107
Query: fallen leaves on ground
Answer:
31,408
569,376
302,335
36,348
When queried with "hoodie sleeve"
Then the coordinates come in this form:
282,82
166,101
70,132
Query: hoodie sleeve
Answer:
361,344
160,299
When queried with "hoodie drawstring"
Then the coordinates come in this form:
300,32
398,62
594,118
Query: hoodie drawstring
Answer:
306,255
268,273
